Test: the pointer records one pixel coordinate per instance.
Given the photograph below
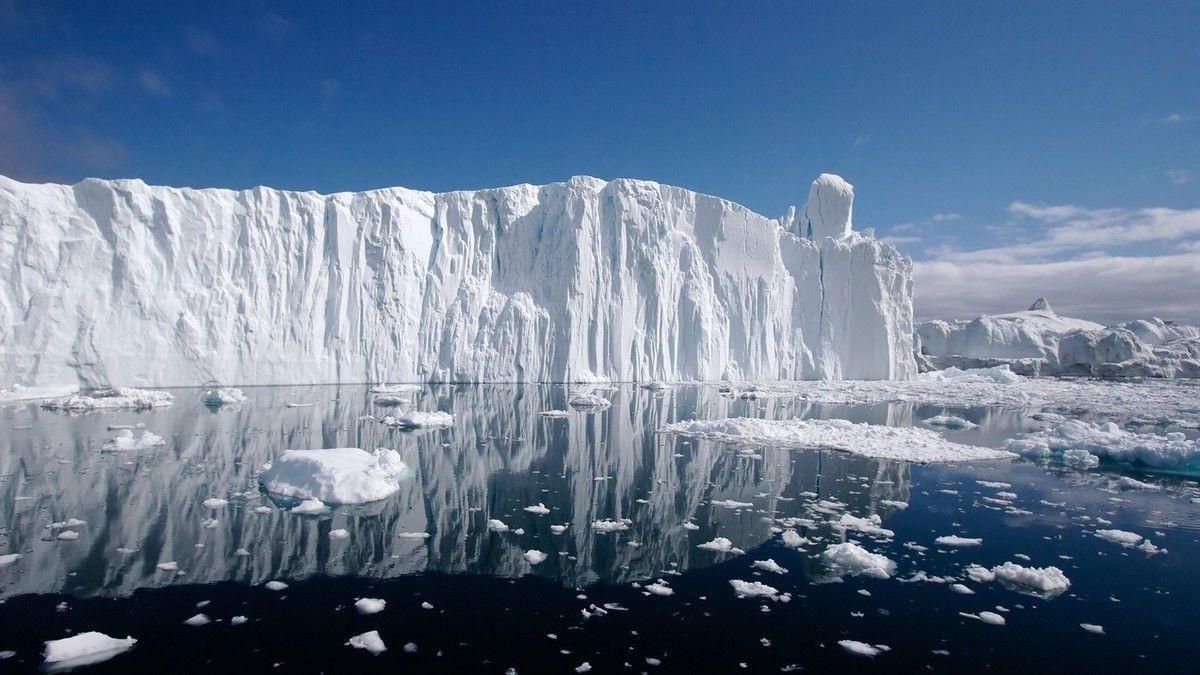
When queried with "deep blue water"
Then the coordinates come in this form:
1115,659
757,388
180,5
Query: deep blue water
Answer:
492,611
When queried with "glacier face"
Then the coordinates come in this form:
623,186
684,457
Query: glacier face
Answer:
585,280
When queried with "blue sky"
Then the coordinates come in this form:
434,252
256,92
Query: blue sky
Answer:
993,142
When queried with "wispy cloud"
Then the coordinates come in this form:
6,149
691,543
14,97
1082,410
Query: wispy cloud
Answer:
1177,118
153,83
1180,176
203,43
1089,262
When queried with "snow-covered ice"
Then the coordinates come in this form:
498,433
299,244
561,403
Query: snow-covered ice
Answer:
850,558
868,440
110,398
1084,444
534,557
335,475
84,649
955,540
369,641
370,605
950,422
125,441
1044,580
529,270
754,589
222,396
862,648
419,419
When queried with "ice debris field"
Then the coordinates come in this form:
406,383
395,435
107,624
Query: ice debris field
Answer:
624,426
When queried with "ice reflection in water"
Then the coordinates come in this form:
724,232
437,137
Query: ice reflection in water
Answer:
144,508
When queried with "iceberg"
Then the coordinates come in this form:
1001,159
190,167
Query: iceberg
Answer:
586,280
335,476
83,649
1039,341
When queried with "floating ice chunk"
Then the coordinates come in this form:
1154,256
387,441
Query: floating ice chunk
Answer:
496,525
555,413
370,605
395,388
980,574
792,539
869,525
986,617
955,540
558,529
198,620
215,398
390,400
127,442
310,507
237,620
589,401
731,504
68,535
950,422
1044,580
413,535
113,398
861,648
1092,628
214,503
769,565
1108,441
369,641
339,533
167,566
83,649
1121,537
894,503
69,522
275,585
9,558
659,587
868,440
850,558
691,526
995,485
583,667
755,589
1127,483
336,475
609,525
538,509
961,589
721,545
534,557
995,375
242,552
419,419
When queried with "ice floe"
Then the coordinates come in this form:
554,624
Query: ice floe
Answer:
419,419
370,605
955,540
868,440
369,641
1084,444
850,558
757,589
125,441
534,557
721,545
950,422
335,475
862,648
112,398
220,396
84,649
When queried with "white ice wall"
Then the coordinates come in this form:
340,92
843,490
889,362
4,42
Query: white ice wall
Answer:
121,282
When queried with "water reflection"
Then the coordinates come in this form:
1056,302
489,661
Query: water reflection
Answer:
145,508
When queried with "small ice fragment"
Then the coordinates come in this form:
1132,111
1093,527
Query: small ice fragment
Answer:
310,507
168,566
1092,628
198,620
538,509
955,540
237,620
339,533
214,503
369,641
496,525
370,605
861,648
534,557
275,585
769,565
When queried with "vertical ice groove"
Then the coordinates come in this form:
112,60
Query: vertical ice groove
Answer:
126,283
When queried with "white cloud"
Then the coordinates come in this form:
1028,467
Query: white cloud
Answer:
1108,265
1177,118
153,83
1105,289
1180,176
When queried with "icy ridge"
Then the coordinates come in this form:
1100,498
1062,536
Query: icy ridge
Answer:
118,282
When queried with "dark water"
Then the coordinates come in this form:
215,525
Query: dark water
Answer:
491,610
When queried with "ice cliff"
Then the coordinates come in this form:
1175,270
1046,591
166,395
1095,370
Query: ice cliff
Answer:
125,283
1040,342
